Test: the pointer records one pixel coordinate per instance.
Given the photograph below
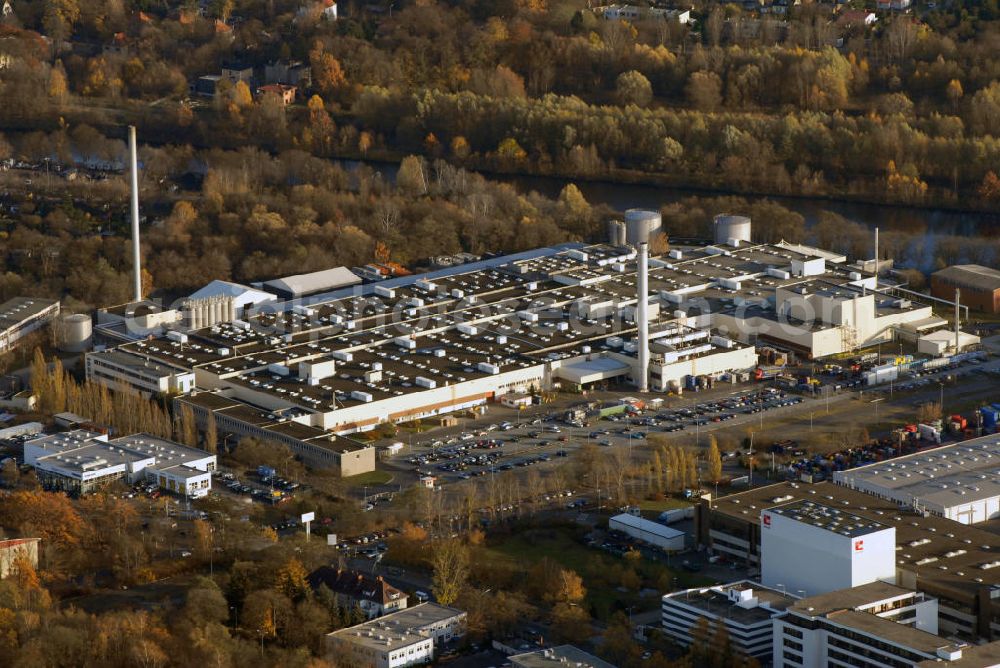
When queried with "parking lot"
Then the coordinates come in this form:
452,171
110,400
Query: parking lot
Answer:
506,446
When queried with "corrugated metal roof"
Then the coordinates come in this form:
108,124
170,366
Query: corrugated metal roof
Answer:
304,284
647,526
238,291
971,275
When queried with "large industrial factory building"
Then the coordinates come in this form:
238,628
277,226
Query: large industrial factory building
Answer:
573,315
957,481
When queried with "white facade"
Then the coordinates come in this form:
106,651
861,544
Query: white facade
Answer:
846,551
956,481
404,638
81,461
122,372
875,626
747,609
21,316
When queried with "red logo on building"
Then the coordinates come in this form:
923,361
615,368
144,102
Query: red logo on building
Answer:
767,520
859,546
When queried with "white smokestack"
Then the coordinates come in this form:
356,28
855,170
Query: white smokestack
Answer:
642,316
958,320
876,251
134,168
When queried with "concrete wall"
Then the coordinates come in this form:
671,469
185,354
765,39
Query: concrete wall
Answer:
801,556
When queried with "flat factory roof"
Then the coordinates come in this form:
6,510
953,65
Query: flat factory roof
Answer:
951,475
950,555
15,311
829,518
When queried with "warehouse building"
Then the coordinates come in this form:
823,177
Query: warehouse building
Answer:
957,481
873,625
404,638
306,285
747,609
957,564
647,531
21,316
81,462
813,548
979,285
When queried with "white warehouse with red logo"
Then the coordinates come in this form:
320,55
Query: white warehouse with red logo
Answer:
808,549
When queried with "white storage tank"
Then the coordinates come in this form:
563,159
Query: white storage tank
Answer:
641,225
76,332
729,227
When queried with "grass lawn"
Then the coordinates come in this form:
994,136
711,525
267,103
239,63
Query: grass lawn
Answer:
370,478
664,504
562,545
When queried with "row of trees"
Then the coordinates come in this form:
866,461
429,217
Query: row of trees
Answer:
125,410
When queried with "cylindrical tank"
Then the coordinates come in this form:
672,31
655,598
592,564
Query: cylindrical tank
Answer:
76,332
641,224
217,315
616,233
729,227
230,310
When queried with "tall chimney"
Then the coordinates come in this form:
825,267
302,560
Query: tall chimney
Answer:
876,252
958,294
642,316
136,251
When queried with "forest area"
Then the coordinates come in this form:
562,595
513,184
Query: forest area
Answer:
906,109
240,186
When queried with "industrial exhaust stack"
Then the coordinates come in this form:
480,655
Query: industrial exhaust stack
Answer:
875,271
958,320
642,316
136,251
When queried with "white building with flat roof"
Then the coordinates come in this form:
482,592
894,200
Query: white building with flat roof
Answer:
81,462
877,624
21,316
810,548
403,638
746,609
958,481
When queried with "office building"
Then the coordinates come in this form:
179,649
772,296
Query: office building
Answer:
957,564
405,638
21,316
955,481
120,371
873,625
81,462
815,548
745,608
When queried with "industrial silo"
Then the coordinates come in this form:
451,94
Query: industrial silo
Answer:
641,224
616,233
75,332
732,229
